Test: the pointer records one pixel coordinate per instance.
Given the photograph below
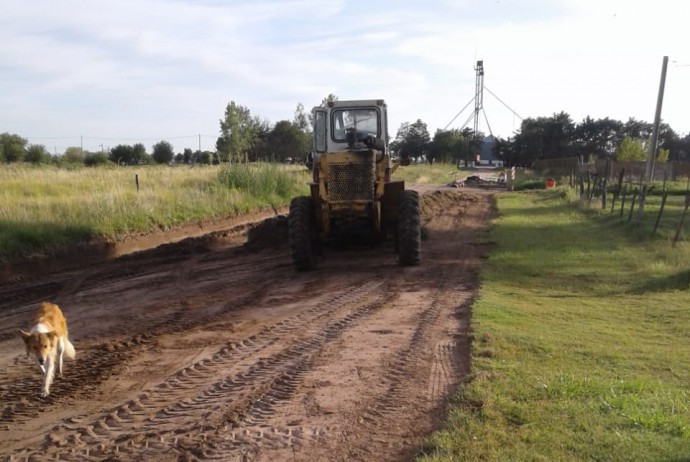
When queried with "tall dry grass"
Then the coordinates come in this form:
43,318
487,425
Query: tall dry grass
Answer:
46,207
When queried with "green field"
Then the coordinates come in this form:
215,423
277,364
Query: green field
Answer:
47,208
44,209
581,345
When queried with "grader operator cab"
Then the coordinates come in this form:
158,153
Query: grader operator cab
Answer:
352,196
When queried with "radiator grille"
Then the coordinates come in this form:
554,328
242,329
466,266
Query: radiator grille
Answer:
351,182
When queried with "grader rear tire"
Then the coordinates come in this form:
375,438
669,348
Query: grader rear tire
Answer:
409,229
301,233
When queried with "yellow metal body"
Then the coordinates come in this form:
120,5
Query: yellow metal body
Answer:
352,187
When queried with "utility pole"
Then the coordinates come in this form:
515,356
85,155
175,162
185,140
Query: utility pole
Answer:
651,153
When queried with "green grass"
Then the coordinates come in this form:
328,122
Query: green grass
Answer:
47,208
581,345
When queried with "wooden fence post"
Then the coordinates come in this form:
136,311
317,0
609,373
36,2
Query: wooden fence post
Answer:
682,218
632,205
625,193
661,211
136,180
580,186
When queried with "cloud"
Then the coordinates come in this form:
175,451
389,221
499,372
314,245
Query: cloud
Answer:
155,68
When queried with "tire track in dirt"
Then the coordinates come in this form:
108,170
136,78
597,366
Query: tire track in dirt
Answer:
97,361
270,356
102,359
165,411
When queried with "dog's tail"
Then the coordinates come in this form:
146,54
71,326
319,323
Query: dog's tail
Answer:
69,349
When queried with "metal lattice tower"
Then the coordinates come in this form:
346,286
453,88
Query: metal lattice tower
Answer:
479,103
478,95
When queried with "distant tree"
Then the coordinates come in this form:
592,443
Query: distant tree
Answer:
187,155
631,150
36,154
287,141
239,131
203,157
598,138
122,154
140,156
73,155
412,140
637,129
504,149
669,140
544,138
163,152
12,147
259,147
94,159
662,156
448,146
683,148
301,119
558,136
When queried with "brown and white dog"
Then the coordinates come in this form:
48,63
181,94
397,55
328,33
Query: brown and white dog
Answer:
48,341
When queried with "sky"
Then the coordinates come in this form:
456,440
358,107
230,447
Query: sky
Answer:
97,74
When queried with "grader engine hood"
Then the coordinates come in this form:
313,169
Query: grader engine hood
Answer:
349,176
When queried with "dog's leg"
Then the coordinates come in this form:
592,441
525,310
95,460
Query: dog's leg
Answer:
60,351
48,377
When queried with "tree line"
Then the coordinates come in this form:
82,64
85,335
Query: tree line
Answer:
243,138
559,137
545,138
249,138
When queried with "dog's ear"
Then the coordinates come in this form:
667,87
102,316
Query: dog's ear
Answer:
25,335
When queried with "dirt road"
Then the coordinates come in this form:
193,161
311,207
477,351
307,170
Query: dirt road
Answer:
211,349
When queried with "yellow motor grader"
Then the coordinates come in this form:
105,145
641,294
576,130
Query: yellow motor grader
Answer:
352,196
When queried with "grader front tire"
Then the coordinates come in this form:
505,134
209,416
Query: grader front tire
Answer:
409,229
301,233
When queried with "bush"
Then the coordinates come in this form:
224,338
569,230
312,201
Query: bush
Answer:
264,181
93,159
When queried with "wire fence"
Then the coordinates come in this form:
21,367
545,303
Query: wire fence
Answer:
659,207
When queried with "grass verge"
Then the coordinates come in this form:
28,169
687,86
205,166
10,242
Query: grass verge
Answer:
581,347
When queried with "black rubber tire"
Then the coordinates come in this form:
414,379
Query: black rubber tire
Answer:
409,230
301,233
